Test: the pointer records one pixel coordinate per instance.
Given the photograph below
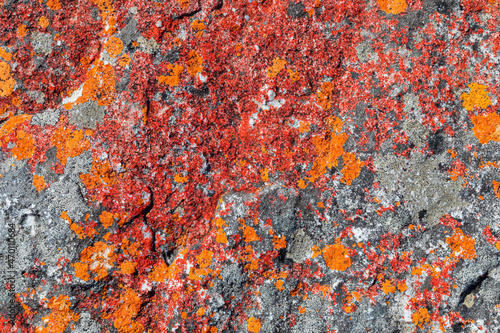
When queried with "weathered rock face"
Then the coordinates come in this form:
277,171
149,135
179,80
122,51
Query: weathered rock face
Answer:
249,166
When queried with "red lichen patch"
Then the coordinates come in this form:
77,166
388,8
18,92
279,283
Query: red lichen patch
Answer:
39,183
25,146
194,63
97,259
101,174
337,257
107,219
461,245
69,143
277,66
392,6
7,83
114,46
100,85
253,325
172,79
477,96
60,317
127,309
487,127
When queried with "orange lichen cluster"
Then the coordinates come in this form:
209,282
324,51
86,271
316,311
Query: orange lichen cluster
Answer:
73,226
387,287
249,234
114,46
253,325
108,15
221,235
25,146
5,55
98,259
198,26
100,85
194,63
128,267
39,183
264,174
43,22
392,6
101,174
324,95
277,66
127,310
477,96
54,4
487,128
496,188
337,257
351,169
462,245
7,83
179,178
60,317
183,3
294,75
107,219
421,317
69,143
279,242
172,79
164,272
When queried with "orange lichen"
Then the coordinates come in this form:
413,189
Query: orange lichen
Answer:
194,63
25,146
316,251
294,75
98,259
249,234
73,226
337,257
486,128
387,287
301,183
128,267
124,60
277,66
304,127
198,26
100,85
329,149
392,6
7,83
5,55
108,15
164,272
279,285
60,317
324,95
221,235
179,178
39,183
264,174
421,317
172,79
127,310
253,325
100,174
54,4
114,46
204,259
402,286
477,96
351,169
496,188
461,245
183,3
69,143
43,22
279,242
22,30
106,219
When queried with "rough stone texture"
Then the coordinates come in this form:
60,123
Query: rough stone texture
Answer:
249,166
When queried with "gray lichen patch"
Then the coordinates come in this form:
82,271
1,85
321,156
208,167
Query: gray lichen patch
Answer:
427,190
87,115
42,43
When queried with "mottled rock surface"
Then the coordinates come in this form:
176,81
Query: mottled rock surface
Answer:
249,166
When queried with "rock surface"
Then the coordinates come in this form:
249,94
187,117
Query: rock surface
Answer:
249,166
